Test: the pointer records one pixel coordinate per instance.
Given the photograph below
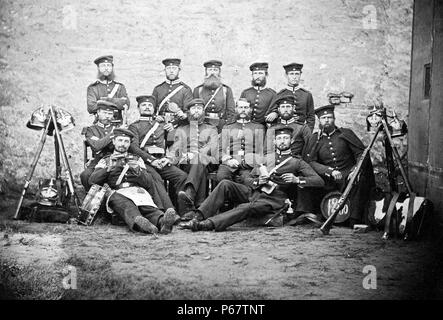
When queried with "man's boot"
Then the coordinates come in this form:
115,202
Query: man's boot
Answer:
195,214
168,220
194,225
144,225
185,200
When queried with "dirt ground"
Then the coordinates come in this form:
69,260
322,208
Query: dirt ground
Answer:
242,263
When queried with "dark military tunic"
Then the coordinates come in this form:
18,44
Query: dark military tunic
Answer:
157,139
250,199
304,105
340,150
100,89
300,136
221,109
260,99
98,137
242,141
181,97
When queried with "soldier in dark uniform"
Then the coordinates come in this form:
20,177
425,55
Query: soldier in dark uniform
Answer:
99,138
265,192
149,144
304,103
219,105
132,199
172,96
333,153
195,147
106,88
241,145
301,133
259,96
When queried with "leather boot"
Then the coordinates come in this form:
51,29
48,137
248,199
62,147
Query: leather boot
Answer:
168,220
144,225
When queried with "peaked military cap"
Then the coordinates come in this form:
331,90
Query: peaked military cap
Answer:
243,102
285,100
293,67
171,62
106,105
104,59
145,98
282,129
212,64
328,109
121,132
196,101
259,66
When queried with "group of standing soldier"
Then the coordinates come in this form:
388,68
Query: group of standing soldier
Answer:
261,148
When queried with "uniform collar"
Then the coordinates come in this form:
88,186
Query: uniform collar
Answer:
243,121
292,120
293,88
118,153
144,118
333,131
259,88
101,125
105,81
173,82
283,153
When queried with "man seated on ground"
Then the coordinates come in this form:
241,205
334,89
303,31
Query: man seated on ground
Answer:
333,153
194,148
241,144
98,137
287,118
149,144
265,193
133,198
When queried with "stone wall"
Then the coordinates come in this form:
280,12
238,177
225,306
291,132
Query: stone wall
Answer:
47,50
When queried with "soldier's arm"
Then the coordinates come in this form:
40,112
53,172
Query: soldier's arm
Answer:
225,144
122,99
187,97
91,100
308,177
272,106
196,92
96,143
230,105
310,115
252,179
135,146
100,174
155,94
306,134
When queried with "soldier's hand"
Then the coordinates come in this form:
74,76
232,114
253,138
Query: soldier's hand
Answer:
232,163
262,179
169,127
337,175
165,162
156,164
290,178
181,114
159,119
271,117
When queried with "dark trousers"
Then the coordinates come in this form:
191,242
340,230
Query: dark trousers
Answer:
128,211
239,195
175,176
197,178
237,175
309,199
160,196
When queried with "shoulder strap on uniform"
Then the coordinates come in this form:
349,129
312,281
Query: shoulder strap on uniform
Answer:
150,132
114,91
169,96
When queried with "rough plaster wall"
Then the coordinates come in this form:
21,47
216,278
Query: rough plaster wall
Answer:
47,49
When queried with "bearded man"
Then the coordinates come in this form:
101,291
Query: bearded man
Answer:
107,89
242,145
334,153
287,118
219,105
259,96
172,96
195,147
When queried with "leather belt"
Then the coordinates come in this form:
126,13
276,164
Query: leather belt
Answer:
125,185
213,115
